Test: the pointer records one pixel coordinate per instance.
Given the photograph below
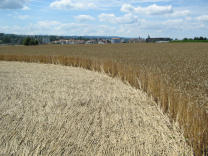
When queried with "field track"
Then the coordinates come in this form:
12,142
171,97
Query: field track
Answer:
57,110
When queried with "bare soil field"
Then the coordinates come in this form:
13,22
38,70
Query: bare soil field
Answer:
50,109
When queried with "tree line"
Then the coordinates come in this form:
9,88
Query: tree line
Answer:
29,41
196,39
18,39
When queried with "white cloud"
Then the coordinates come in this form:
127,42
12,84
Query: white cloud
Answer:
91,5
107,17
96,30
103,4
111,18
25,8
130,30
166,25
128,8
81,29
170,28
59,28
4,27
172,22
69,5
84,18
189,18
151,10
202,18
23,16
13,4
180,13
46,24
14,29
127,19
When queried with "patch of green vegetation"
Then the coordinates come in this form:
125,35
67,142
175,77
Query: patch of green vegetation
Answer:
195,39
188,41
28,41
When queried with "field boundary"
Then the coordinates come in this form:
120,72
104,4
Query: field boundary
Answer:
180,107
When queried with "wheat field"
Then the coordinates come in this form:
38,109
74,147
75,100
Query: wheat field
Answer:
57,110
173,75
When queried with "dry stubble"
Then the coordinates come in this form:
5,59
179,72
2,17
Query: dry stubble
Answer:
53,110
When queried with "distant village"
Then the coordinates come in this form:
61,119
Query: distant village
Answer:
46,40
11,39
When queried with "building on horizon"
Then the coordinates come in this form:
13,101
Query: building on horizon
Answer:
91,42
124,40
115,40
157,40
46,39
141,40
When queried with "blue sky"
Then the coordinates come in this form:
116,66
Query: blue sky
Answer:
132,18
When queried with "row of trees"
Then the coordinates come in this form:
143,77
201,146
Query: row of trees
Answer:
29,41
6,39
18,39
196,38
10,38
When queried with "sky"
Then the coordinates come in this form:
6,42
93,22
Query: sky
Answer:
132,18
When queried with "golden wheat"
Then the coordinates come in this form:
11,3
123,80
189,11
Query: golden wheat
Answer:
175,75
57,110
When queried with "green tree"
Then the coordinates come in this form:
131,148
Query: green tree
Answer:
36,42
201,38
53,38
32,42
6,39
27,41
196,38
108,41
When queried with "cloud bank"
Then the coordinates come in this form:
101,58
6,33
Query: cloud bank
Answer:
69,5
111,18
13,4
202,18
150,10
84,18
